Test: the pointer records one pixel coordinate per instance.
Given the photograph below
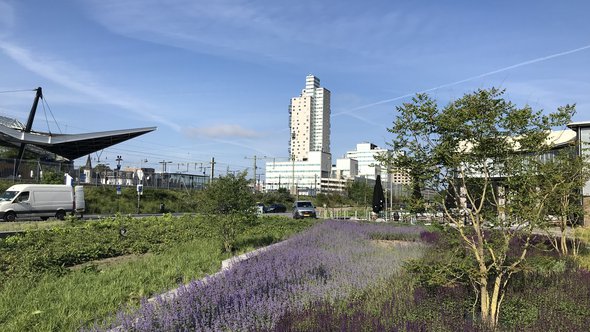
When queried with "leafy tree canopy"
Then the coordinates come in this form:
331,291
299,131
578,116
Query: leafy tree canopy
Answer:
488,151
230,205
51,177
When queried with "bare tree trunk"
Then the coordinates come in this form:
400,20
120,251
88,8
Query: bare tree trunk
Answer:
494,301
563,243
490,303
485,300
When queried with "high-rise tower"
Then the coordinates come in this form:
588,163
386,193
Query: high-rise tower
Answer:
309,118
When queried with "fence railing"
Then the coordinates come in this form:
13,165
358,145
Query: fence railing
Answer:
31,171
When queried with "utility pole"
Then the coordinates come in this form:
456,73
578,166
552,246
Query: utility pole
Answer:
117,185
293,188
203,168
315,185
117,174
255,157
139,172
164,163
212,168
119,160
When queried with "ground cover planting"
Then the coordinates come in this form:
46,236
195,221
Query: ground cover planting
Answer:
55,249
58,279
553,294
332,261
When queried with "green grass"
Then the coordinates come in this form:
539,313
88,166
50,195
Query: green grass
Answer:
51,301
69,302
29,225
583,234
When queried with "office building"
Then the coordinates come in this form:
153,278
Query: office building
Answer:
309,120
309,143
369,167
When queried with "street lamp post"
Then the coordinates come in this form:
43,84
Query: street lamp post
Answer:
119,159
117,185
140,173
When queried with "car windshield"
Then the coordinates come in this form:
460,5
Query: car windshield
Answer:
8,195
304,204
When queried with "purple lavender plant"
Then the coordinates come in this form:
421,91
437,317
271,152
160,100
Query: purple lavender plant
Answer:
326,263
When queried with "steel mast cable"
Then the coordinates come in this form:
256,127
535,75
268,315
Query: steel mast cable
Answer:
52,116
11,91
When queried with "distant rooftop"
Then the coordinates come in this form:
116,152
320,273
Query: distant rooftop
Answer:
581,124
559,138
11,123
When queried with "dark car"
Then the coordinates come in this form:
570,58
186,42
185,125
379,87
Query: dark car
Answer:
276,208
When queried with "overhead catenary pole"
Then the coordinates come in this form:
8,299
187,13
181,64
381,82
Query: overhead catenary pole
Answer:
255,157
315,185
164,172
212,168
293,175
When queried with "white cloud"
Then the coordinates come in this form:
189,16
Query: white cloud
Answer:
265,29
80,81
221,131
6,18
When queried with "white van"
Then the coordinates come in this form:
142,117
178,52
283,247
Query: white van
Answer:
41,200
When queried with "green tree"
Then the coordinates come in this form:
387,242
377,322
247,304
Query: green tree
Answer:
470,144
282,196
561,179
329,199
359,192
230,205
51,177
416,203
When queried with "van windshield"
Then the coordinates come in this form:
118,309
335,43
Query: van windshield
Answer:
304,204
8,195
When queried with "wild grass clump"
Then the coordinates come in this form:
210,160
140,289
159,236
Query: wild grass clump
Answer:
104,200
68,277
55,249
72,300
330,262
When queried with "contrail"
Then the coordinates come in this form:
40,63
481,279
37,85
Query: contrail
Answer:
525,63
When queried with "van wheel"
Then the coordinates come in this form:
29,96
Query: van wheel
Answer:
60,215
10,216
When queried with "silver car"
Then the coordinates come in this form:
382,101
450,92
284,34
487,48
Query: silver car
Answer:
303,209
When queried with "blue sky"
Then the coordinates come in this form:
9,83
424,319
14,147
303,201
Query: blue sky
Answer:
216,77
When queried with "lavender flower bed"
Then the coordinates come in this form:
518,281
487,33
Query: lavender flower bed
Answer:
328,262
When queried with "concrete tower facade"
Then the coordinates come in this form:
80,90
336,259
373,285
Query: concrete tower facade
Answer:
309,120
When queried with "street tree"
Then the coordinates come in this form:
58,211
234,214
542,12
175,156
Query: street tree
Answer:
562,177
480,147
230,206
52,177
378,197
359,192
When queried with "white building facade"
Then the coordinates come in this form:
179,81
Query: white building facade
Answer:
301,177
309,143
309,120
346,168
369,167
